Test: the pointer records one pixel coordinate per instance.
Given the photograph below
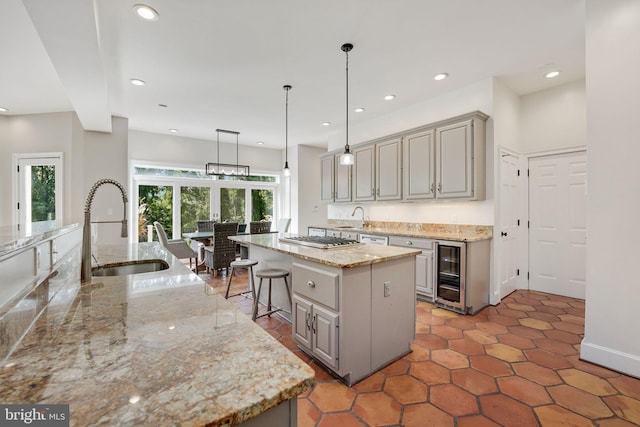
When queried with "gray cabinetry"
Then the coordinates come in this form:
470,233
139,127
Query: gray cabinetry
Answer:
419,165
425,275
335,180
364,174
377,172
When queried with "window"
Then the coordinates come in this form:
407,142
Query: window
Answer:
178,198
39,191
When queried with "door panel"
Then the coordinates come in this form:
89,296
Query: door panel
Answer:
325,338
557,235
508,239
301,319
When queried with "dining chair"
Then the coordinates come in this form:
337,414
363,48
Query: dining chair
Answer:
283,225
259,227
223,251
204,225
178,247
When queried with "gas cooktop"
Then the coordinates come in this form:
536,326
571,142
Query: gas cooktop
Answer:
322,242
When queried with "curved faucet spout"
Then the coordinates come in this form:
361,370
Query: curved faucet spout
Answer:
85,271
354,213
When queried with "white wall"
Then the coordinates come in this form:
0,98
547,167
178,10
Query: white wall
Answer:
5,176
478,96
612,87
554,118
306,196
191,152
37,133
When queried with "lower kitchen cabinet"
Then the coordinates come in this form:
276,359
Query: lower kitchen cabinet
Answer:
317,329
425,272
354,320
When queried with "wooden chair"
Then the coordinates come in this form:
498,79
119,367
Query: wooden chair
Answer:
223,251
259,227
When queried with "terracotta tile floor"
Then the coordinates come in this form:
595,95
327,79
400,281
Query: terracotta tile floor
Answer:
516,364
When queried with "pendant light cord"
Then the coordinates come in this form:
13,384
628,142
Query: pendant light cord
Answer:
347,119
286,126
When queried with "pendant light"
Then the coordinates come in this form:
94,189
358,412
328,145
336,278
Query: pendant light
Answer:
225,169
286,170
347,157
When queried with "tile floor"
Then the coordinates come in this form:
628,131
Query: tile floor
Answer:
516,364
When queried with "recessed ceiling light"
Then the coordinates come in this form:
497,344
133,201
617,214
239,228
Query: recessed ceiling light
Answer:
260,142
389,97
173,130
162,105
359,110
146,12
552,74
440,76
138,82
4,109
326,123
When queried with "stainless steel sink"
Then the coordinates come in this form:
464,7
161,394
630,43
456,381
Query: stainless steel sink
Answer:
135,267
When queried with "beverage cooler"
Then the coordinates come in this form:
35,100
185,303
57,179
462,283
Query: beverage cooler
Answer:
462,275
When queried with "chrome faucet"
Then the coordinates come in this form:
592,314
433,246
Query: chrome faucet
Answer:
85,270
354,213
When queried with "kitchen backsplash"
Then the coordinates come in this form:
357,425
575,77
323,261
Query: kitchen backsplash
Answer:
419,227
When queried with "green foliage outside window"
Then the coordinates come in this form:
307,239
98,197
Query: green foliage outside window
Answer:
232,204
158,206
194,206
43,193
262,205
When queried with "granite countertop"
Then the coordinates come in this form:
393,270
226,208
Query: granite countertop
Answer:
341,257
157,348
12,239
453,232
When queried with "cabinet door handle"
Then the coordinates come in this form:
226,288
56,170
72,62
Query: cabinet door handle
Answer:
307,321
377,191
409,243
311,284
313,324
503,233
439,187
433,188
373,191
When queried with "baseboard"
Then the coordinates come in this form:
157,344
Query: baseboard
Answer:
609,358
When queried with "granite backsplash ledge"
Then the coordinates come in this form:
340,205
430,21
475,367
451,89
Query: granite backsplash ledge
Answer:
417,227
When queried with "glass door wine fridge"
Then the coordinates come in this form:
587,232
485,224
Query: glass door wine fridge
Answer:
450,274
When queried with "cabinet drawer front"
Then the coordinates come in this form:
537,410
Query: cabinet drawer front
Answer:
316,284
410,242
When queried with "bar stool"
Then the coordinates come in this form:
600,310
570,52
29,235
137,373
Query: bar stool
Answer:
248,265
270,273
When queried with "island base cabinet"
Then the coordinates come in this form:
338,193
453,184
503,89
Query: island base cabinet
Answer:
283,415
356,320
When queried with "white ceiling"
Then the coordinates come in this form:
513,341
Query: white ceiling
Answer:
222,63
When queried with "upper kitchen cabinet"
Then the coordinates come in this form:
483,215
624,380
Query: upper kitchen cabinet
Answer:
419,165
335,180
447,161
377,171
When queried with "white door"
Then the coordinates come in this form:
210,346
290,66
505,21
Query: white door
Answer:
558,230
508,239
39,191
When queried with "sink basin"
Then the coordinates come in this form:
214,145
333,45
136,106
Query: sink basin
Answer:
134,267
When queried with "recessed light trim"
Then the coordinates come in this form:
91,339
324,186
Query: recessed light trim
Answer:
260,142
552,74
146,12
359,110
137,82
326,123
172,130
389,97
4,110
440,76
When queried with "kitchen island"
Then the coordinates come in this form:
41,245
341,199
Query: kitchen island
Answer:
353,306
159,348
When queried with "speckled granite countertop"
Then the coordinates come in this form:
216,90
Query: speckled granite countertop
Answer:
149,349
454,232
12,239
341,257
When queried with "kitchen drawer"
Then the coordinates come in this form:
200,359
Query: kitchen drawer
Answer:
316,284
411,242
